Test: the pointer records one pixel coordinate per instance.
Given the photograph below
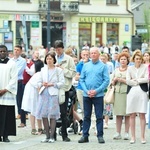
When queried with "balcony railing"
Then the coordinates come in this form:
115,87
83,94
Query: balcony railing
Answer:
71,7
54,5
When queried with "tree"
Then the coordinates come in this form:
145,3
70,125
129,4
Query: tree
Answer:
146,12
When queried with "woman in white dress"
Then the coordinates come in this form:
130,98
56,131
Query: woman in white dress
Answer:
52,78
137,98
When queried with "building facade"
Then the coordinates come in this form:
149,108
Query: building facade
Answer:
75,22
141,11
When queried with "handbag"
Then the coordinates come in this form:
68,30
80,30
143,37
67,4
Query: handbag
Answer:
109,96
61,92
61,96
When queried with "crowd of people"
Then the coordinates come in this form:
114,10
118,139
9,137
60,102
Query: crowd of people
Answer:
33,84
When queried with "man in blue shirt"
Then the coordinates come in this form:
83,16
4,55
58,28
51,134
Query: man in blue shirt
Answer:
21,65
94,79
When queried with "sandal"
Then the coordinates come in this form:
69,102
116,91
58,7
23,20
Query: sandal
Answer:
22,125
34,132
40,131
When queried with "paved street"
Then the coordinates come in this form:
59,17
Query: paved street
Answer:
25,141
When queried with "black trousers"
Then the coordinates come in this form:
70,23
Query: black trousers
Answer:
19,96
22,112
63,111
7,120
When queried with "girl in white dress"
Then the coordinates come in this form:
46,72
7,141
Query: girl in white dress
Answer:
137,98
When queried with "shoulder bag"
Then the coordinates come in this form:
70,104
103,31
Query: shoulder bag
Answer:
61,92
109,96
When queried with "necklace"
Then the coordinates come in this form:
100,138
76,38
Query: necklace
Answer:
122,69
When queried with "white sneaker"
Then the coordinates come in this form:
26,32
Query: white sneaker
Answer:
126,136
117,136
44,140
51,141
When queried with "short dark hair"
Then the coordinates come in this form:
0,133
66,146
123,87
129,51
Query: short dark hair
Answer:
125,47
58,44
50,54
23,55
19,46
3,46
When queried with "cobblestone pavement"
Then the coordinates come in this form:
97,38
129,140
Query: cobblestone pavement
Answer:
25,141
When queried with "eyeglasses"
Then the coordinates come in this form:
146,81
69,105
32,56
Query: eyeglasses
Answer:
3,51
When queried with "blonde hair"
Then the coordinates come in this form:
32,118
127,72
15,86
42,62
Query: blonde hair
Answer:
68,51
137,53
104,55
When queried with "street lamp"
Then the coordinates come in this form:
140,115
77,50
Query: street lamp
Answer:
48,26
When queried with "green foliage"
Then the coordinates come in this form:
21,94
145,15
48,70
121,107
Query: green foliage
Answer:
146,12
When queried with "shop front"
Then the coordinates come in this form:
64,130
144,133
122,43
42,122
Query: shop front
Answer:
103,29
57,32
6,32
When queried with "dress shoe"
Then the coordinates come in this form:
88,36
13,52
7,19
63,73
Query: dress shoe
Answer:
132,141
83,140
143,142
101,139
5,139
66,139
22,125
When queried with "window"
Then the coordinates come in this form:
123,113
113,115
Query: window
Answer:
19,32
112,32
84,34
84,1
111,2
98,33
24,1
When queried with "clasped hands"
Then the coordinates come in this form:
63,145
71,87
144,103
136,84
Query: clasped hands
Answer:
135,82
115,80
46,84
91,93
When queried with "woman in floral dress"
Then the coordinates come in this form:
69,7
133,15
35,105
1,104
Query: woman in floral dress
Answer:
52,79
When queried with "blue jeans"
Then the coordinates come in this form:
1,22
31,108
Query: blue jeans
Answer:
98,106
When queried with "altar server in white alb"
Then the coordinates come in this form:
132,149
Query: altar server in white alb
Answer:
8,91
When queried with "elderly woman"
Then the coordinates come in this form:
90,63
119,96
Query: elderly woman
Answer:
119,80
137,79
